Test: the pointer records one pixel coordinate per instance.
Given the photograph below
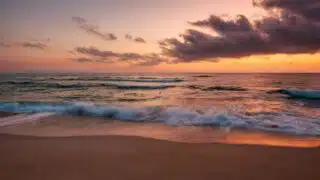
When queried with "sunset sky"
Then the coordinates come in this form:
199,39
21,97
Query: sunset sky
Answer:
159,36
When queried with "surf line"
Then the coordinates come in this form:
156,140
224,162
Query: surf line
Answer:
23,118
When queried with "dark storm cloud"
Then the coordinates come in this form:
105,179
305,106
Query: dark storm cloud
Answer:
309,9
93,30
293,30
226,27
135,39
110,56
26,44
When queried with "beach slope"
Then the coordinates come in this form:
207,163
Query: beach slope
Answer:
136,158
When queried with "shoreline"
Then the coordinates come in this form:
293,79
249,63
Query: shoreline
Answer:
73,126
127,157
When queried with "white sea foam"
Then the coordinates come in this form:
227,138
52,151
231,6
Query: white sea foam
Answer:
20,119
280,122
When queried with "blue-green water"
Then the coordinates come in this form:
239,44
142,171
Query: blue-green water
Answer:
288,103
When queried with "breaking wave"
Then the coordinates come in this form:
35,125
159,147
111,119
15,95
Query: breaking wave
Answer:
298,94
279,122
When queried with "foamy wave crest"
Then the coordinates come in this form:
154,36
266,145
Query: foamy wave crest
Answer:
279,122
299,94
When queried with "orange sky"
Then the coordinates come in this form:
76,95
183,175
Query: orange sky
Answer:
275,63
37,21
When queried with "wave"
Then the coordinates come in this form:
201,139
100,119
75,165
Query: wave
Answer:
135,99
145,80
195,87
225,88
84,85
298,94
121,79
176,116
202,76
217,88
17,82
142,87
40,84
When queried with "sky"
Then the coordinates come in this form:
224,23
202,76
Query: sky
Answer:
159,36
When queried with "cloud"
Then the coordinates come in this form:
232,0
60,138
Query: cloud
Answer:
135,39
92,51
86,60
111,57
26,44
93,30
294,29
34,45
309,9
128,37
4,45
82,59
139,40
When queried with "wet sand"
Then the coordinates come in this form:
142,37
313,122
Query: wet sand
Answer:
36,155
66,126
137,158
6,114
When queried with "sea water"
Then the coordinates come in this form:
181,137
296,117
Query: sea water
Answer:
285,103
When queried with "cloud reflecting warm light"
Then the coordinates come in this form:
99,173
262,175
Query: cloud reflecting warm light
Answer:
285,41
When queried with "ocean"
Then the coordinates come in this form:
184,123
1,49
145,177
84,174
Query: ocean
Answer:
284,103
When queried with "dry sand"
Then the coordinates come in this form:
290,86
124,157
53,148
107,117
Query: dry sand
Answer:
136,158
112,157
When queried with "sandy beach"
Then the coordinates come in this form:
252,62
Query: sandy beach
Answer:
120,157
160,90
66,147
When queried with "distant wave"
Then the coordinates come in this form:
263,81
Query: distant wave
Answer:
139,86
17,82
86,85
146,80
280,122
218,88
298,94
122,79
202,76
225,88
42,84
136,99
